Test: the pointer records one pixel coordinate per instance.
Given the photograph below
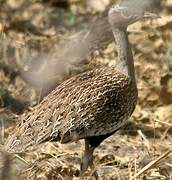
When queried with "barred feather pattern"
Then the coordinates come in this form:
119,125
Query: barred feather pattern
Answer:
93,103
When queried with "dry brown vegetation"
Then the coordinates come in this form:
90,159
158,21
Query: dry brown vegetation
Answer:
33,33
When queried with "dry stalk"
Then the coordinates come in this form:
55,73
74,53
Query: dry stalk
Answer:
2,131
163,122
152,164
145,140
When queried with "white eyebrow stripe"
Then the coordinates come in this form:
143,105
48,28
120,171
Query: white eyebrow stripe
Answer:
117,7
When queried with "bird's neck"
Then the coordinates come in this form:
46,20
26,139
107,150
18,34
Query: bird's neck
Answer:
125,62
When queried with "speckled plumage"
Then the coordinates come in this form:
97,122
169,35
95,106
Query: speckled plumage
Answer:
93,103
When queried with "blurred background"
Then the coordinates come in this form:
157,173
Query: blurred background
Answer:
44,42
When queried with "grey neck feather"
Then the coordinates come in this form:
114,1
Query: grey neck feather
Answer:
125,62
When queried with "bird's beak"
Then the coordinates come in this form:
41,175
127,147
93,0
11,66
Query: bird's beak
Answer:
151,15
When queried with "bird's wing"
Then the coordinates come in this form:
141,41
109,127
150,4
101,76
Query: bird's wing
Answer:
65,114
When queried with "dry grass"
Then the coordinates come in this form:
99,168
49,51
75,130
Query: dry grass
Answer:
142,149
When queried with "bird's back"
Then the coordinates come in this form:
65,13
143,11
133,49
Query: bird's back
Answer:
93,103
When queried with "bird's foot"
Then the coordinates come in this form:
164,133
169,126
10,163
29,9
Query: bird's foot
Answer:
87,161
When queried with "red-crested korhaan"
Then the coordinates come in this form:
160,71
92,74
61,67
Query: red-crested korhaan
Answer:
92,105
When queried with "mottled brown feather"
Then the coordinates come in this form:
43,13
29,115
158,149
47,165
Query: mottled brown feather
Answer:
93,103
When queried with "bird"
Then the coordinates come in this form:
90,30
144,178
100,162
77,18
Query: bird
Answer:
92,105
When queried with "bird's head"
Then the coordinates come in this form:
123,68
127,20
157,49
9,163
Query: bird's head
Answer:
121,16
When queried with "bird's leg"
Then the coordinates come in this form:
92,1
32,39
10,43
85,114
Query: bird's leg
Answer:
87,159
90,144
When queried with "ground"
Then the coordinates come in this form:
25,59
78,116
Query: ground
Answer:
34,32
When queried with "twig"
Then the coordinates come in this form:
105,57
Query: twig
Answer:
163,122
144,138
2,131
152,164
20,158
168,164
165,133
